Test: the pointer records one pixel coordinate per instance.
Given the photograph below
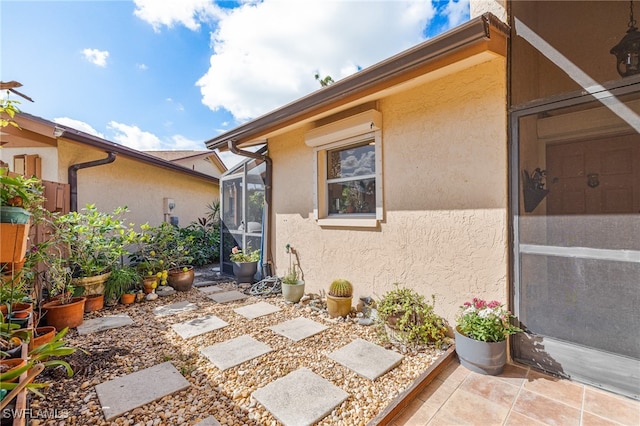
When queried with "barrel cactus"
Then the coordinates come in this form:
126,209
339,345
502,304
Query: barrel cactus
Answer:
341,288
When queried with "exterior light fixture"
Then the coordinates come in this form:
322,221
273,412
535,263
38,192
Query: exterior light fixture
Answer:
628,50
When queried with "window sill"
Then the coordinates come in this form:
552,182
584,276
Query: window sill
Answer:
353,222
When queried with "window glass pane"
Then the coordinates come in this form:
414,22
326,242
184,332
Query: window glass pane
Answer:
352,161
356,196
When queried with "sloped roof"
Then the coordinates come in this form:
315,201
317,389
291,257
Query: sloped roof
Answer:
47,131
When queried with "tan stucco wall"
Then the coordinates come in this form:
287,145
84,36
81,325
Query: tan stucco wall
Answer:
137,185
445,196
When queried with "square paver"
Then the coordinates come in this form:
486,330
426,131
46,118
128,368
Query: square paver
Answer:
300,398
174,308
198,283
198,326
104,323
235,351
366,359
134,390
298,328
227,296
210,289
256,310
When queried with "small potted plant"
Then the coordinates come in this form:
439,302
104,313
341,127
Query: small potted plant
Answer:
122,278
245,263
339,298
408,318
293,282
481,335
63,309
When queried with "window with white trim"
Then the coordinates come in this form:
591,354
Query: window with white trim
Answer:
348,172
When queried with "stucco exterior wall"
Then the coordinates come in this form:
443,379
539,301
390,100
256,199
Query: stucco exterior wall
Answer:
141,187
49,158
445,198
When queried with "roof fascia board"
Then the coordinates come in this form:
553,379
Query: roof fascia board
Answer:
478,32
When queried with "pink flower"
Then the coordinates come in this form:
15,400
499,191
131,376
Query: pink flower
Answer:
493,304
467,304
235,250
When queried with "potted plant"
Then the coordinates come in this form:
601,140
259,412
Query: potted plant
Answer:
94,242
481,335
122,278
164,252
407,318
245,263
339,298
63,309
128,297
293,282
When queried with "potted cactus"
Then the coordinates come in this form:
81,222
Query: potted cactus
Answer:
339,298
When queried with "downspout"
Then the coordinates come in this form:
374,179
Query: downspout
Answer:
73,177
267,197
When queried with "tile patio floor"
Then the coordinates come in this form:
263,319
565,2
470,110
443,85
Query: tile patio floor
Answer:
519,396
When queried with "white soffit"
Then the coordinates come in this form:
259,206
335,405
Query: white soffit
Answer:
343,129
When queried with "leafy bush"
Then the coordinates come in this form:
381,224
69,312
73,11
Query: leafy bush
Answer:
411,318
204,242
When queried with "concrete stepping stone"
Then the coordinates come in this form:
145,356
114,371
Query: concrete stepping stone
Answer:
134,390
198,326
366,359
174,308
256,310
227,296
104,323
235,351
298,328
300,398
209,421
210,289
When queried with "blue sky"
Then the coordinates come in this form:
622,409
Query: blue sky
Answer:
161,74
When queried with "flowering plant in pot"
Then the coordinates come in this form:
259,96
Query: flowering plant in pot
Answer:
245,263
481,331
293,282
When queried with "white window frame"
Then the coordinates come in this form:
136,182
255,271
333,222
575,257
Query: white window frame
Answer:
321,202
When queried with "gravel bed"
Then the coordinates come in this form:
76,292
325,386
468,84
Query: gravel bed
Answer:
226,395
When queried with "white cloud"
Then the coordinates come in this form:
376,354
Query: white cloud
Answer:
96,57
78,125
133,137
142,67
266,54
169,13
457,12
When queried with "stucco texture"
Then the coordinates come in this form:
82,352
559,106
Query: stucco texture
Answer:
445,198
139,186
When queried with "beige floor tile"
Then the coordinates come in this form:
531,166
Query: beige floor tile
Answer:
546,410
552,387
517,419
454,373
617,408
437,392
589,419
468,407
445,419
417,413
490,388
513,374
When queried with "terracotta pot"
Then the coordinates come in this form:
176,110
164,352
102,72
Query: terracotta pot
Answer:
13,242
12,364
4,310
94,302
65,315
181,280
92,285
150,283
41,336
21,306
338,306
127,298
